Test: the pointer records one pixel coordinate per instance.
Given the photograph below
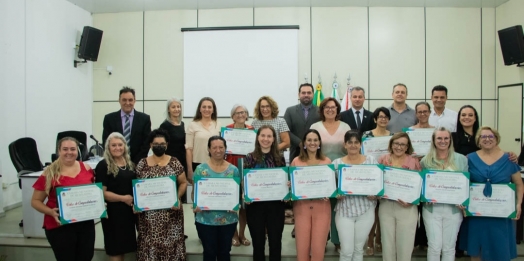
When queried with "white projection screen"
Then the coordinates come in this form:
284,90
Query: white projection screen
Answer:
240,66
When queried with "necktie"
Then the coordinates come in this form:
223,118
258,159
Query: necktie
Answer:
127,130
358,119
306,112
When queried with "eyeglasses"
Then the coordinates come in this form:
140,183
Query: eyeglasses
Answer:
400,145
159,144
485,137
330,108
265,106
442,139
239,113
383,117
354,143
423,112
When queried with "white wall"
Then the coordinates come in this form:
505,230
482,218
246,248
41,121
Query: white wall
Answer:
41,92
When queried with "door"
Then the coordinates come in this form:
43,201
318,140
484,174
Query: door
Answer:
509,117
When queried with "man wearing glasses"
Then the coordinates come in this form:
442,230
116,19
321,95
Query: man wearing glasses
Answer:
440,115
402,116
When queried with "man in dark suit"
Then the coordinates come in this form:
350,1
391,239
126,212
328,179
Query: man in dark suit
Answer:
357,117
134,125
300,117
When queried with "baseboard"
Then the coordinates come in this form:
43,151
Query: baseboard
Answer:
12,206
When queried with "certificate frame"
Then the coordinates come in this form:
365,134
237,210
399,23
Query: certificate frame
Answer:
412,179
331,191
478,201
234,195
443,190
421,142
342,175
375,146
170,182
239,141
248,174
95,190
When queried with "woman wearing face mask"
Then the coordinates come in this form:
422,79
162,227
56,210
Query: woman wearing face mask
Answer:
266,215
442,221
161,232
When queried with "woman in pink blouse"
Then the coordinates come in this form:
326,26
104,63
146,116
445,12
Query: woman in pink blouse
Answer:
312,217
398,219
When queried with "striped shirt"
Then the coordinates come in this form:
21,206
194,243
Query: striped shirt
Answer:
354,206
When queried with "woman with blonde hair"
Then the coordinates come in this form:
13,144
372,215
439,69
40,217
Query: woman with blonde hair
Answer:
176,130
74,241
116,172
266,113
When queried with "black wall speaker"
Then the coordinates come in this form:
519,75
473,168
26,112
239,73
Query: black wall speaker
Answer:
512,45
90,43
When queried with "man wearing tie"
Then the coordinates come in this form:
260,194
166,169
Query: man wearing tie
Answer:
357,117
135,126
300,117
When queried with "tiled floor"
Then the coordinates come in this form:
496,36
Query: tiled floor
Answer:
16,247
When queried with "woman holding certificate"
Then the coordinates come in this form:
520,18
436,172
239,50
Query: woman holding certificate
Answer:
74,241
442,221
161,232
312,217
239,114
216,227
492,238
266,113
116,172
266,215
398,219
332,131
355,215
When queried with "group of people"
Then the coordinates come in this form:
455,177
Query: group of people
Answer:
356,225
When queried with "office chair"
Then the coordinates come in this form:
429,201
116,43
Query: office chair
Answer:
81,137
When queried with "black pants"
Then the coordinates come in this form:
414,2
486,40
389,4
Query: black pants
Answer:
73,242
261,216
216,241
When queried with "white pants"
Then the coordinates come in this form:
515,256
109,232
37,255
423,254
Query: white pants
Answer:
442,227
397,227
353,233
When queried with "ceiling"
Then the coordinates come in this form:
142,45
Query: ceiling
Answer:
116,6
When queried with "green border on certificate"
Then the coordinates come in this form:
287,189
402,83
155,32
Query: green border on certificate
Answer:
60,192
386,168
136,182
341,168
254,172
425,172
331,182
196,183
493,200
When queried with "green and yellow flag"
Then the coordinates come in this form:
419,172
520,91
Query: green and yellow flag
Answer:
319,96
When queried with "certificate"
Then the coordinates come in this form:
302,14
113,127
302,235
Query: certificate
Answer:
217,193
266,184
313,182
447,187
375,146
239,141
363,180
155,193
402,184
420,139
80,203
500,204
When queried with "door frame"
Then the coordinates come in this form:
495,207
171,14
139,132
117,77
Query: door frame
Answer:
521,105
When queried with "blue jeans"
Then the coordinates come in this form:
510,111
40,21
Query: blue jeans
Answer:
216,241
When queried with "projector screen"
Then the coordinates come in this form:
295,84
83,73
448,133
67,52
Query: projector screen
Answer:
240,66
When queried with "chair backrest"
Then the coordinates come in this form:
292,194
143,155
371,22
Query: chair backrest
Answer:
14,159
26,152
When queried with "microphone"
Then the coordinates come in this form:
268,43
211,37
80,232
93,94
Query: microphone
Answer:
93,138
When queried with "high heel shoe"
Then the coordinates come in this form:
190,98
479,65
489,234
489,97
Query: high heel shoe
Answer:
378,248
370,251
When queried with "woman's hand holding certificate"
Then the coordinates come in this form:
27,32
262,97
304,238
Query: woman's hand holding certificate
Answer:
446,187
313,182
265,184
217,193
80,203
402,184
500,204
155,193
363,180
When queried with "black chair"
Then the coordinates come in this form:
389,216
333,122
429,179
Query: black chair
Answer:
81,137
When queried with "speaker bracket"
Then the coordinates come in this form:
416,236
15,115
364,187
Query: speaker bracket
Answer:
77,62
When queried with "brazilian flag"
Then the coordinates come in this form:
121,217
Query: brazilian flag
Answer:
319,96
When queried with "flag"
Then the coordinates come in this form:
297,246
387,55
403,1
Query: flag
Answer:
346,100
319,96
334,94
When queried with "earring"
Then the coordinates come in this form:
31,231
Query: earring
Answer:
318,147
305,147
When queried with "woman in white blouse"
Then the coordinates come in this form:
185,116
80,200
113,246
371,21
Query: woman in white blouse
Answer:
355,215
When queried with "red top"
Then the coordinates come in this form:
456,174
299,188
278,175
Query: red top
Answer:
233,158
82,178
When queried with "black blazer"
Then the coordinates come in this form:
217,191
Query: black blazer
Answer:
367,121
139,131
